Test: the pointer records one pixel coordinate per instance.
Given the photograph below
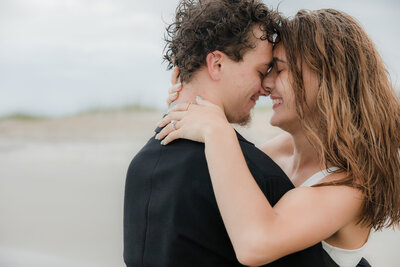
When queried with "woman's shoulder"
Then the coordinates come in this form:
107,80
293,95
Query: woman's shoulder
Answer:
279,146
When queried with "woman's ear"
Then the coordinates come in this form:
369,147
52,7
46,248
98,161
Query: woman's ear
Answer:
214,64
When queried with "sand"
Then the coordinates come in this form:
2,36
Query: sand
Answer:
62,185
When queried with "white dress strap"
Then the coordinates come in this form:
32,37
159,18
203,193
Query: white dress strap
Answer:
343,257
316,178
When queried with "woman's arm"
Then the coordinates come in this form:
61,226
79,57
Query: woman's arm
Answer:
259,232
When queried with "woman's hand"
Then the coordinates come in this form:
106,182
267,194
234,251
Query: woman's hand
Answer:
193,121
173,92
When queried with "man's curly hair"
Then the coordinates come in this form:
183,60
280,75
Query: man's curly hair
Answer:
202,27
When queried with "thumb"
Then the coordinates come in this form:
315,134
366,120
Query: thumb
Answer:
175,76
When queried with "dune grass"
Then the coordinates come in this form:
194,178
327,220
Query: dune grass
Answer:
127,108
21,116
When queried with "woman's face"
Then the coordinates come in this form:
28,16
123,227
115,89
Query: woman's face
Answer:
278,82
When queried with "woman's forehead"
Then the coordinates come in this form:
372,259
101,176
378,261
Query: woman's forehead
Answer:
279,53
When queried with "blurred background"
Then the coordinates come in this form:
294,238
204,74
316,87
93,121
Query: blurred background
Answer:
82,85
60,57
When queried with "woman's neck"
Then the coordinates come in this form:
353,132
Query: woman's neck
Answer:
305,159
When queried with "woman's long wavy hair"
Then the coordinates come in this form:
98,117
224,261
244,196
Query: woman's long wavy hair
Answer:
357,126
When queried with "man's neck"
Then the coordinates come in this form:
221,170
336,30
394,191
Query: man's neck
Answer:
189,93
199,86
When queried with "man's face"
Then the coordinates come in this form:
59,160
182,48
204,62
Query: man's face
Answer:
242,81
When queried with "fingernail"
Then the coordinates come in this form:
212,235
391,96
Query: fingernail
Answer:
177,85
198,98
162,142
156,137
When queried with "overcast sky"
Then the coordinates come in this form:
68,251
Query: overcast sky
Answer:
59,57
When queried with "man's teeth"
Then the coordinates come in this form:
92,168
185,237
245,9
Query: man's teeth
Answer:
277,101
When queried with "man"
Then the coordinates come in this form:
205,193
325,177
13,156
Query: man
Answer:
223,50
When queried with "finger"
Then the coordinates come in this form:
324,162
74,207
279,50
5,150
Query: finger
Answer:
171,98
182,106
165,131
175,88
168,129
175,76
171,137
173,115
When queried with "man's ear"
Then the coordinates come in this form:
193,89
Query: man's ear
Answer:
214,64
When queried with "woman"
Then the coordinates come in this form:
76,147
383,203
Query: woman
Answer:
332,96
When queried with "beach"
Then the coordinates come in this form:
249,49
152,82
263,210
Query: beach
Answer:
62,188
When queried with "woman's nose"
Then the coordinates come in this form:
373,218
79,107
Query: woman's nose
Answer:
268,83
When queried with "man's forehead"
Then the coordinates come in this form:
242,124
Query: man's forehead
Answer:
261,54
266,63
265,52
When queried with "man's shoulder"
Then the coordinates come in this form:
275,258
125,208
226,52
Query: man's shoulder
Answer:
153,147
258,160
181,155
269,176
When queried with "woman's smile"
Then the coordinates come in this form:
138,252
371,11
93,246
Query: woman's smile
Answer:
277,101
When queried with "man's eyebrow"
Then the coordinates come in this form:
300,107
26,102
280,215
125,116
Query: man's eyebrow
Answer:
268,64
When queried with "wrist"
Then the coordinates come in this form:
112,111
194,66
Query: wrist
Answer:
218,130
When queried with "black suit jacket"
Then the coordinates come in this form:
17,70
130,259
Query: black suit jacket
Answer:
171,217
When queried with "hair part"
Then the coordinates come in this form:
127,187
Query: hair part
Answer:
357,126
204,26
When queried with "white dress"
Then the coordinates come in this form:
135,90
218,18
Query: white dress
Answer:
343,257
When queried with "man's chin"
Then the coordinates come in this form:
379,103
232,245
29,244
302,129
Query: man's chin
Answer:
245,121
239,118
242,121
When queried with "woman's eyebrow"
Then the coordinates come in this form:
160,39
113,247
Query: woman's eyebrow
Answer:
276,59
268,64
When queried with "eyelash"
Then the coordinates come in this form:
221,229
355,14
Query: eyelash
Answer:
270,68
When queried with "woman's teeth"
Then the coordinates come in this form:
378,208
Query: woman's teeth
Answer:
277,101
